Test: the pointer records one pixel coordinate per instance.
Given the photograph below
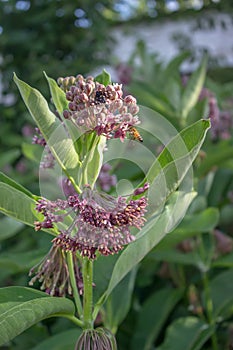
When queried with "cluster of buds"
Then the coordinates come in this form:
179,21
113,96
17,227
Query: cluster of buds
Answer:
99,108
100,222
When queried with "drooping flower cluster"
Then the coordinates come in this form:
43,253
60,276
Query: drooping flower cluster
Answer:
99,108
53,272
100,222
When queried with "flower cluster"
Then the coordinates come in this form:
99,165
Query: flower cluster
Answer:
99,108
100,222
53,272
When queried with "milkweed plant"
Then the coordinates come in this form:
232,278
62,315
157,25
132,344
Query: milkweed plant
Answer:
101,227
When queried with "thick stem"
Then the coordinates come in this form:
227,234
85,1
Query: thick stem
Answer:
88,293
74,284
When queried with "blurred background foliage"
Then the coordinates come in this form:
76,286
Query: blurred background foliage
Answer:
194,265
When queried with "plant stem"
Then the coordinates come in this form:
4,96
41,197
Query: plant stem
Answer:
88,293
74,284
72,318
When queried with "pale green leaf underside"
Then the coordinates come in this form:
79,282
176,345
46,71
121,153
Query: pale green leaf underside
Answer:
51,128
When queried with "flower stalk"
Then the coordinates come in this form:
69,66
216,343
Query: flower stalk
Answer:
88,293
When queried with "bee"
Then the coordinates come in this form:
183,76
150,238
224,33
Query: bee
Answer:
135,134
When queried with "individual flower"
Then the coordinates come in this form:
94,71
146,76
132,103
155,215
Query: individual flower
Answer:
99,108
100,222
99,339
53,272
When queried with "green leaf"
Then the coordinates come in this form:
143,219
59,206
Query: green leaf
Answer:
170,168
62,341
103,78
17,204
190,226
21,307
189,333
9,228
58,95
222,294
52,130
117,307
149,323
193,89
7,180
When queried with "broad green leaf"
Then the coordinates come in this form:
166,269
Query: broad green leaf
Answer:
117,307
21,307
189,333
58,95
193,89
9,228
8,157
51,128
7,180
151,234
221,288
190,226
103,78
170,168
62,341
152,317
17,204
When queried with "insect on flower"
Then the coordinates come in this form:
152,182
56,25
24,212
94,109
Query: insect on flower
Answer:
135,134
